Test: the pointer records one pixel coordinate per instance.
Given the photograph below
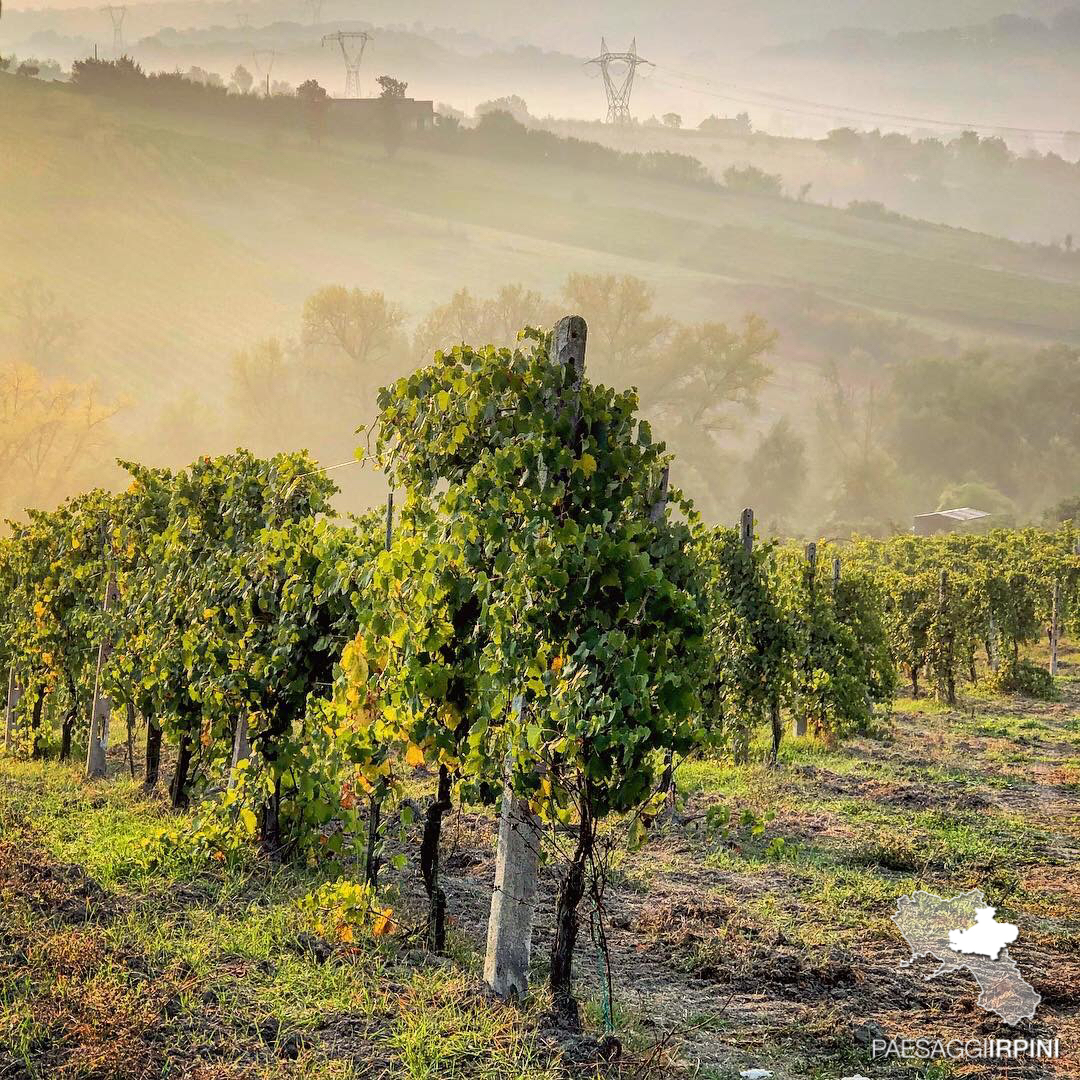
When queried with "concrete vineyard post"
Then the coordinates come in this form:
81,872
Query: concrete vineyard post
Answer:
11,704
517,858
1055,627
98,742
836,569
513,900
241,750
371,855
948,643
811,575
656,511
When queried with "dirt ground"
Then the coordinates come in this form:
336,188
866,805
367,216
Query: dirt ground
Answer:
712,952
756,937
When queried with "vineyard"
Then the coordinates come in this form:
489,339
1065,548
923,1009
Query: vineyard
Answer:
537,639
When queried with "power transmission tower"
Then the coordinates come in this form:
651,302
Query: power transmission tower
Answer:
116,15
264,64
352,54
316,10
618,70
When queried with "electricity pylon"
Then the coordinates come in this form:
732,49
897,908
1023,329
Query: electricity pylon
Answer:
351,55
618,83
264,64
316,10
116,15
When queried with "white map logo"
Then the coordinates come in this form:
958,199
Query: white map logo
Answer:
961,932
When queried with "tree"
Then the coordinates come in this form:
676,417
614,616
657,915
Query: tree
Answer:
865,483
315,103
672,120
712,368
44,332
120,76
391,87
52,433
495,321
750,180
844,143
242,79
264,382
776,474
624,331
512,104
364,326
1065,510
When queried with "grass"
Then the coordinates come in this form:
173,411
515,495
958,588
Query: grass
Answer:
210,968
758,943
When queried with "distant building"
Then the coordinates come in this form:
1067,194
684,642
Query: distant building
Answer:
726,125
370,113
948,520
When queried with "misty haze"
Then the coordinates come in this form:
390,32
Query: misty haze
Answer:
641,437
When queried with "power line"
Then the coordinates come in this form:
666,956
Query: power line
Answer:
806,104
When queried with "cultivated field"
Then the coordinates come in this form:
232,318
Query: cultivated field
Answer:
187,237
753,931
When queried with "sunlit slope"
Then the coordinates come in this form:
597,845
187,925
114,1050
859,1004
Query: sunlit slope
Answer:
179,238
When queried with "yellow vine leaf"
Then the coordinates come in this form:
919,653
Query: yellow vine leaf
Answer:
414,756
382,923
587,464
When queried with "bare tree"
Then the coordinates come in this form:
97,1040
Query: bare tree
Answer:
44,332
52,436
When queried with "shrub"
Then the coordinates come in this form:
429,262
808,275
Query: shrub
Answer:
1023,677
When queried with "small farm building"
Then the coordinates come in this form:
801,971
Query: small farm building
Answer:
948,520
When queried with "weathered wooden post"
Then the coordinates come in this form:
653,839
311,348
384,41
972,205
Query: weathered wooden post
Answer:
746,530
131,738
811,577
241,749
836,569
1055,627
371,859
98,741
517,857
153,753
12,704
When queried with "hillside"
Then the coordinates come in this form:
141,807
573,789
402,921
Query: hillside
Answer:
187,236
175,239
